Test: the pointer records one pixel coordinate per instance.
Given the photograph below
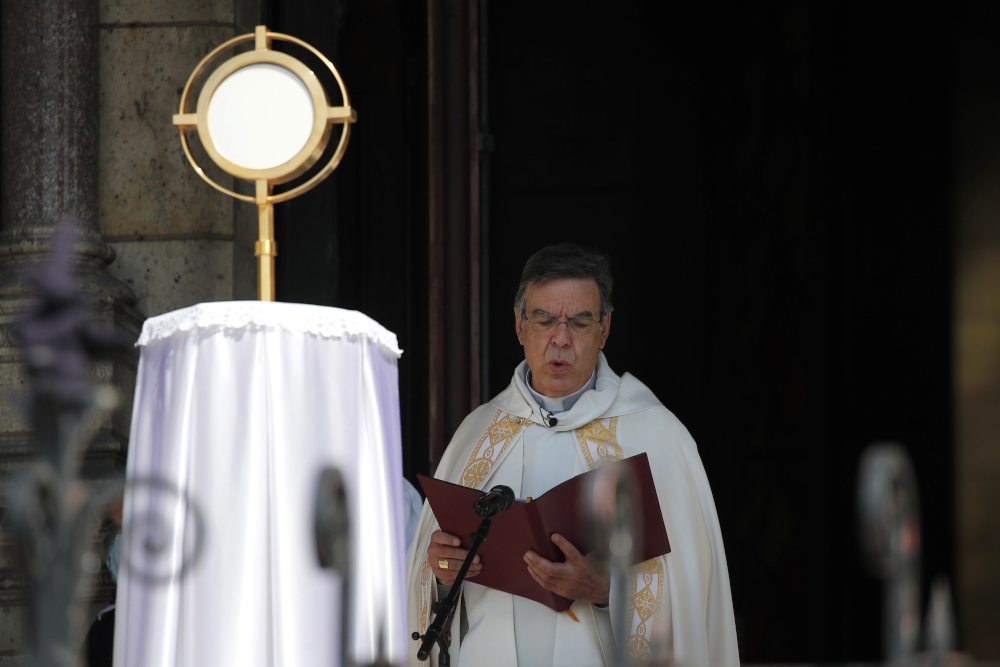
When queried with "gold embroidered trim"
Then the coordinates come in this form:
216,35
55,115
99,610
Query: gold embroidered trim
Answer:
498,436
645,605
599,442
501,431
425,601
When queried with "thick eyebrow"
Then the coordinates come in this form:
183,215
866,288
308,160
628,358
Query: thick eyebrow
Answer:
583,314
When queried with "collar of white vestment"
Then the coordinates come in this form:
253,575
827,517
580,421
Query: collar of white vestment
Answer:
559,404
519,400
612,396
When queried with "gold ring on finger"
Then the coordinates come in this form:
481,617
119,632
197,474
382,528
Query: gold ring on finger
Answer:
443,563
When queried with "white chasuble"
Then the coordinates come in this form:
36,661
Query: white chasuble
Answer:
680,605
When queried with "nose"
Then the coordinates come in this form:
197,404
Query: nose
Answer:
561,337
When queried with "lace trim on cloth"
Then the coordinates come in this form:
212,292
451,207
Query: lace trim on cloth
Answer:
319,321
599,442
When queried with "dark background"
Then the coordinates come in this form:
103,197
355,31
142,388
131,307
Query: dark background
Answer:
773,184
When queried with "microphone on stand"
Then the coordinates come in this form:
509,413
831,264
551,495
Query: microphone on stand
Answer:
487,505
497,500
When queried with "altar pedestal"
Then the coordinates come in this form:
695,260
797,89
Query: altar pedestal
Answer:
239,406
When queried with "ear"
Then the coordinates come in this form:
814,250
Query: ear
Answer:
605,330
518,327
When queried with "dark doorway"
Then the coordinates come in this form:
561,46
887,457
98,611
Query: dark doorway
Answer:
772,183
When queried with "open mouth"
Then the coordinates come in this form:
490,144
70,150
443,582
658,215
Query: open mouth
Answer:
558,364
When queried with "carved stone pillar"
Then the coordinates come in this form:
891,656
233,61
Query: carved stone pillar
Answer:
50,139
49,126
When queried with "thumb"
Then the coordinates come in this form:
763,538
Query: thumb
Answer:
571,552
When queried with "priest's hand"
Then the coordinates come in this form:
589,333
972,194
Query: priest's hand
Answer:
445,547
579,578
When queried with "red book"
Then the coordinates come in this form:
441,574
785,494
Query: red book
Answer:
530,526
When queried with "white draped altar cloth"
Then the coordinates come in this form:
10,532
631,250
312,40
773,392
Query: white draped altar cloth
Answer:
238,408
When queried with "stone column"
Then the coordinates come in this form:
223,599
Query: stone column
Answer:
50,139
50,169
49,126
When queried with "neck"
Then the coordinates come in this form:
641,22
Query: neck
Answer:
558,404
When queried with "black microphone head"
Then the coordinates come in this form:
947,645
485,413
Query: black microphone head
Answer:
498,499
553,421
506,493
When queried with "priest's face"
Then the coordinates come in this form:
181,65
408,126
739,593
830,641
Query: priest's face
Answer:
561,335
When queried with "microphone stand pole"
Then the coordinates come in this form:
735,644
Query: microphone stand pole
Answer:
445,609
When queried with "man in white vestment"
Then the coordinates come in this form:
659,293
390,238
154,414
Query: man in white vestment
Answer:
564,413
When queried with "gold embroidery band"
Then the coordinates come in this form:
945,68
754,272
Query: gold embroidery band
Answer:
498,436
425,595
599,442
647,594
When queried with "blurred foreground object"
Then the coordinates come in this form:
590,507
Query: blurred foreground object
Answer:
889,513
333,544
890,540
51,507
612,505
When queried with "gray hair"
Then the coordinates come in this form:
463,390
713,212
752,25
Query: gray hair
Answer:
566,260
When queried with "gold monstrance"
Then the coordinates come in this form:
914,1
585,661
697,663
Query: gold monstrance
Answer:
263,116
